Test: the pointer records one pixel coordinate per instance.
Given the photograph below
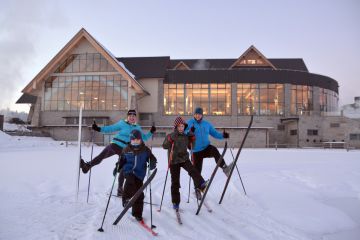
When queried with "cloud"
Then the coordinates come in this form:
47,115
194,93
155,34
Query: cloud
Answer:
21,23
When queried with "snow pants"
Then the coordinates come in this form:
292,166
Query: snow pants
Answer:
132,184
175,178
209,151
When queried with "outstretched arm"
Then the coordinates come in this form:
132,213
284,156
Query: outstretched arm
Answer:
215,133
112,128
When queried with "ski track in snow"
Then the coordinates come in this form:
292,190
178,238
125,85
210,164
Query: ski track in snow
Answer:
44,207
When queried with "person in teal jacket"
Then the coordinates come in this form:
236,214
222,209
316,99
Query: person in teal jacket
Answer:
121,140
202,147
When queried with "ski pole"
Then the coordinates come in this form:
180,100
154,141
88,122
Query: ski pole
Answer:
151,218
192,161
167,173
92,150
237,157
238,171
148,173
107,205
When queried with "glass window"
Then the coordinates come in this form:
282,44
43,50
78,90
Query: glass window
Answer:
301,100
260,99
95,92
215,99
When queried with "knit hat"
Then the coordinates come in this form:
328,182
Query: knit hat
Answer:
131,112
179,120
198,110
135,134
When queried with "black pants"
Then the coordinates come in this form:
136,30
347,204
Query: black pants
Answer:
175,178
109,151
209,151
132,184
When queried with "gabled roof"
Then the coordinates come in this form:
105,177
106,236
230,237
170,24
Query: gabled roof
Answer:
181,66
297,64
68,47
146,67
252,48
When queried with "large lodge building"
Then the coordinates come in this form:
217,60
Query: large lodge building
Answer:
291,106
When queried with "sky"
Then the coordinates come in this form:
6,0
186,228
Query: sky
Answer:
326,34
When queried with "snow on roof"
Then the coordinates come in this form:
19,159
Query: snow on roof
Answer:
127,70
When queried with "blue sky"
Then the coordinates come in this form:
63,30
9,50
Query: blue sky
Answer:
326,34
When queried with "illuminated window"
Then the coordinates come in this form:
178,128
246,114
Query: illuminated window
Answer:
301,100
328,100
260,99
214,99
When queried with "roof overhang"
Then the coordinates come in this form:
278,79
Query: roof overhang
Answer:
26,98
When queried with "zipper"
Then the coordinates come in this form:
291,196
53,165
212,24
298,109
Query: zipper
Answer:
135,164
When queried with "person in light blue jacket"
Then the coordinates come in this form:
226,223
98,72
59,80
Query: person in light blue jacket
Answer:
202,147
121,140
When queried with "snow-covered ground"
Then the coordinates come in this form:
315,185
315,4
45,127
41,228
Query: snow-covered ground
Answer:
291,194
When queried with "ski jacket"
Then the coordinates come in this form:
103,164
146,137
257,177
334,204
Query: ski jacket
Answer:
202,131
133,160
124,128
181,142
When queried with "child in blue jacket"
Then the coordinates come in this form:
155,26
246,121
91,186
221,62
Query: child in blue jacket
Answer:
121,140
133,162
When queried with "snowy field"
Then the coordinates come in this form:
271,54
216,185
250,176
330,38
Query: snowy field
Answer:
291,194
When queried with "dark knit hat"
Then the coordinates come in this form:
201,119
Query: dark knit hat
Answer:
179,120
135,134
198,110
131,112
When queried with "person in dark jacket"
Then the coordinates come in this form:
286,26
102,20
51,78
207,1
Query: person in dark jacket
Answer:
121,140
133,162
177,144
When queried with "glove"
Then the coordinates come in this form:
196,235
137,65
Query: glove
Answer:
153,129
226,135
116,170
192,129
152,164
95,127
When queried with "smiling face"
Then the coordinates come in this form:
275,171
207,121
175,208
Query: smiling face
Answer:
180,128
131,118
198,116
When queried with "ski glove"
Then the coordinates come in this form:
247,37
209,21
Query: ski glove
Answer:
152,164
153,129
226,135
95,127
152,161
192,129
116,170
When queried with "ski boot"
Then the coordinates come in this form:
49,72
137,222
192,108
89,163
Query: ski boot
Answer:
204,186
85,166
